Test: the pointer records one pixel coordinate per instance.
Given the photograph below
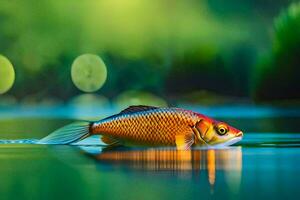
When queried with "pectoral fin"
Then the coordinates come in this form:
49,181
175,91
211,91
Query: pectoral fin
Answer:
109,141
184,141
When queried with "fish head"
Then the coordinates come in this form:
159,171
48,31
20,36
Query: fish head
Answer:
214,132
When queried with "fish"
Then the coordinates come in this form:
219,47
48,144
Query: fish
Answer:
150,126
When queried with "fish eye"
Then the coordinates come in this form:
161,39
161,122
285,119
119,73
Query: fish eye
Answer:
222,129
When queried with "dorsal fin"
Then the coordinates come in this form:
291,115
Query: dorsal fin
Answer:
133,109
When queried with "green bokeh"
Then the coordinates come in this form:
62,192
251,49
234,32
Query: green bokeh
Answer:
7,74
132,97
88,72
151,46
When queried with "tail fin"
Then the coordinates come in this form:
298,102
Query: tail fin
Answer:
68,134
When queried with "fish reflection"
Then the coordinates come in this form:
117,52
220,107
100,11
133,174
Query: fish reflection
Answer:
209,161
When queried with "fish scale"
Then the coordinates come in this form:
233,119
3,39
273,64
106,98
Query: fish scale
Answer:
154,127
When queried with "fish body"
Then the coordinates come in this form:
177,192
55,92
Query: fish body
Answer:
151,126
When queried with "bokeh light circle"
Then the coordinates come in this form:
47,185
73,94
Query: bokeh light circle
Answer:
7,74
133,97
88,72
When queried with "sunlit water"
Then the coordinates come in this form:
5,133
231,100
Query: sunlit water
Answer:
263,165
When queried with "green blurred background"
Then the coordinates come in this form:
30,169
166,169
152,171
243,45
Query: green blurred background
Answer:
155,52
236,61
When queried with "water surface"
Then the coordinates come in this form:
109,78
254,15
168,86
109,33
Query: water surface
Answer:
265,164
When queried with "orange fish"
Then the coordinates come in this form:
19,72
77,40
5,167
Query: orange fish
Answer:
150,126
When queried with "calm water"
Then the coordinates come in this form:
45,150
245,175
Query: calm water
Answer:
265,164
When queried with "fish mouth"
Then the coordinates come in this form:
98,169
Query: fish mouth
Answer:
239,134
230,142
234,140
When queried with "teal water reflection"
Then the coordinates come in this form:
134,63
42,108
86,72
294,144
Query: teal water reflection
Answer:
73,172
265,164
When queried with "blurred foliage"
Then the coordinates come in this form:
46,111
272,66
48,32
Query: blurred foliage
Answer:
279,72
89,100
167,48
226,74
129,98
